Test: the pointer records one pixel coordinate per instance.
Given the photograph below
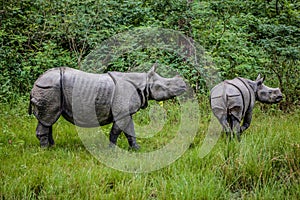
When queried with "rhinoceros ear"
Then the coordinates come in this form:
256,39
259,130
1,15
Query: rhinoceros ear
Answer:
153,68
259,80
258,77
152,71
126,99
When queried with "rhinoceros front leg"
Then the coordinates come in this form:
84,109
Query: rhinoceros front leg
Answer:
44,134
130,135
126,125
247,121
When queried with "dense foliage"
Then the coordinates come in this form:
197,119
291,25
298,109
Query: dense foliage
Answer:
243,38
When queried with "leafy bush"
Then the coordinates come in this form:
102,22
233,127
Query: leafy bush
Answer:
243,38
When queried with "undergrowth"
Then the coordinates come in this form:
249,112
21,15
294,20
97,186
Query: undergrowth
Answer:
264,165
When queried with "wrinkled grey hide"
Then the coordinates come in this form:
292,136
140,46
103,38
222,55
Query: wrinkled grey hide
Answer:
112,97
233,100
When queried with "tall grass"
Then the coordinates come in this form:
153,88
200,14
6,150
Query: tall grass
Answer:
264,165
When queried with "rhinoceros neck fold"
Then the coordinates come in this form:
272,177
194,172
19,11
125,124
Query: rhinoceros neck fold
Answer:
249,88
246,92
138,81
253,87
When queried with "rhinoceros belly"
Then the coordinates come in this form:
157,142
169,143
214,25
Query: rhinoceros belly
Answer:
87,98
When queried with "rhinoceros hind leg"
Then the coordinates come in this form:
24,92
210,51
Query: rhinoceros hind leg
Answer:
44,134
224,122
114,134
235,127
126,125
50,137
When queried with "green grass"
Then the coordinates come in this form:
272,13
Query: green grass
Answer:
264,165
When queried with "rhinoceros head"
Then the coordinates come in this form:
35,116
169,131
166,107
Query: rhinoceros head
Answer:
266,94
161,88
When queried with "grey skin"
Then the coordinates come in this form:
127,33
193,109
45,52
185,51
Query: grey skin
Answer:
232,102
91,100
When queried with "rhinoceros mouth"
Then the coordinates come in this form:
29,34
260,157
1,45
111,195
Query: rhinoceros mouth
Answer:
182,90
179,92
278,99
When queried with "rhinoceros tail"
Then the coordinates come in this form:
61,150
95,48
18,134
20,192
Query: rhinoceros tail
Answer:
30,107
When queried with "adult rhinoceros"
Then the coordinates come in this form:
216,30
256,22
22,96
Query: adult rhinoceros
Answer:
233,100
113,97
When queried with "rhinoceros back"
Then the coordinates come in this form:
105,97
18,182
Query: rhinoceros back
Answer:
232,97
87,98
82,98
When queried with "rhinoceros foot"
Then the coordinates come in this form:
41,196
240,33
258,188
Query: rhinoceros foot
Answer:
134,147
45,142
44,134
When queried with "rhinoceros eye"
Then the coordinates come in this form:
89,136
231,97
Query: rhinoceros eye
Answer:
263,93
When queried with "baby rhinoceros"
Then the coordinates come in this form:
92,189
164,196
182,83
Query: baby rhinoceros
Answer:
233,100
91,100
